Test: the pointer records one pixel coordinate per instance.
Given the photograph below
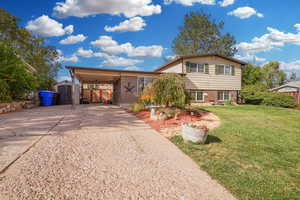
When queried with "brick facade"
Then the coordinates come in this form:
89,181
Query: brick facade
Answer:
211,96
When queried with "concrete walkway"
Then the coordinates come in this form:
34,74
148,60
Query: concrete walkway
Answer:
95,152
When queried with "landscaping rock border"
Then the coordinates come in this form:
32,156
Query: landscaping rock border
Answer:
15,106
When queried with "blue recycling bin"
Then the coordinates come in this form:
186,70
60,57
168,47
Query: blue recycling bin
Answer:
46,97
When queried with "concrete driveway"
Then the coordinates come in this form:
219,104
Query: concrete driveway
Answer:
94,152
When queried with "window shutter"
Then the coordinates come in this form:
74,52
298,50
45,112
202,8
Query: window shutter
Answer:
216,69
232,70
206,68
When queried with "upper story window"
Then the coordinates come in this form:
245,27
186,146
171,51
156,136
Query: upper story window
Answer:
225,70
197,67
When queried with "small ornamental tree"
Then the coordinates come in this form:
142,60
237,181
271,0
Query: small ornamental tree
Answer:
168,90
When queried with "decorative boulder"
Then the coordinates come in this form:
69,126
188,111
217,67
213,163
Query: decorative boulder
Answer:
191,132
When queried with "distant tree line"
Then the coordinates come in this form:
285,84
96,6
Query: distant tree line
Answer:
26,63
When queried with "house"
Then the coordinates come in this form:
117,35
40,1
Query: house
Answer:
291,88
209,78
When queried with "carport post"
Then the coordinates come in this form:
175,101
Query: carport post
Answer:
73,88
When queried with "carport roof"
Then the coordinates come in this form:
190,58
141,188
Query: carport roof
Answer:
96,75
111,70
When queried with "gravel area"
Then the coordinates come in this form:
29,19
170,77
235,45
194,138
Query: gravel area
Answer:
103,152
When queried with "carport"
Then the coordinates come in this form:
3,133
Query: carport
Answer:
127,85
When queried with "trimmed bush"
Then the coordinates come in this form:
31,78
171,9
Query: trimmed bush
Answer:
258,95
278,100
137,107
252,93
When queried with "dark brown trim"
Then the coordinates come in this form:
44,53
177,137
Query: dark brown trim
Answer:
110,70
199,55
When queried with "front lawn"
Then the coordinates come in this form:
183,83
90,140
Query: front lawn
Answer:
255,153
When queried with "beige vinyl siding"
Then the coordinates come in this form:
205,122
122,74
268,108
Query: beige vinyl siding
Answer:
175,68
212,81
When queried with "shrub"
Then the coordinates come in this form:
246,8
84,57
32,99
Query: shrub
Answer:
278,100
251,93
137,107
147,95
4,92
258,95
168,90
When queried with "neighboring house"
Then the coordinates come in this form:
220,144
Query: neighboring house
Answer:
209,78
291,88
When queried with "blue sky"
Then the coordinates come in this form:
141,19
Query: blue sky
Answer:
138,34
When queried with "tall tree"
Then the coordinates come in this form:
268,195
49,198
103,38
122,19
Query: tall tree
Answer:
30,49
251,75
272,75
18,81
200,34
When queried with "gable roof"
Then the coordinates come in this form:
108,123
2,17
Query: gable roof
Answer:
181,58
295,84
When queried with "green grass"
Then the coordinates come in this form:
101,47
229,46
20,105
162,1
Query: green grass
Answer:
255,153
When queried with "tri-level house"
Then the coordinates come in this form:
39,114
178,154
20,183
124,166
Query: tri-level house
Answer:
210,78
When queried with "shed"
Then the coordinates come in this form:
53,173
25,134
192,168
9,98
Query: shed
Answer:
64,88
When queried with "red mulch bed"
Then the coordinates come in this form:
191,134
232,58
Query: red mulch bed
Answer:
169,123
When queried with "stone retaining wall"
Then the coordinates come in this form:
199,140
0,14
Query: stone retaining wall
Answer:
15,106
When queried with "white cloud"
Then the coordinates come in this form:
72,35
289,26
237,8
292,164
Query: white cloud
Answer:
69,29
190,2
61,58
169,58
72,58
84,53
108,45
269,41
133,68
73,39
133,24
225,3
291,66
81,8
47,27
116,61
297,26
245,12
250,58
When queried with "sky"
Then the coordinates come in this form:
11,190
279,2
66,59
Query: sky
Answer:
138,34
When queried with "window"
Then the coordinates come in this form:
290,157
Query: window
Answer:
223,95
225,70
197,95
197,67
142,83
